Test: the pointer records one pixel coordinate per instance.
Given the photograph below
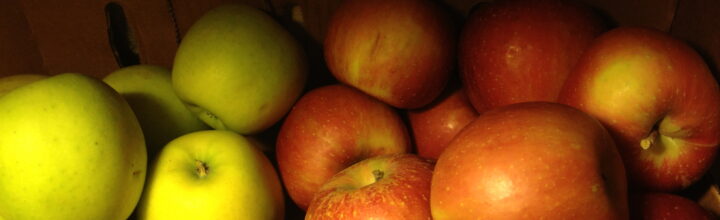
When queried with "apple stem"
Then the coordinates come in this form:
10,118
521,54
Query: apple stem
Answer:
378,175
648,141
202,168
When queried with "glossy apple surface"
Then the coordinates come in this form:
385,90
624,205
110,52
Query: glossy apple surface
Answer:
383,187
435,125
212,175
162,115
530,160
657,98
238,69
329,129
401,52
70,148
522,50
657,206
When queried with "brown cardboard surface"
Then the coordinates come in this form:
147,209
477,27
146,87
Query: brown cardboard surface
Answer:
154,30
313,16
72,36
697,23
18,52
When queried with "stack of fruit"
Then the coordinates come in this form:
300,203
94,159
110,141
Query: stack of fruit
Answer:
529,109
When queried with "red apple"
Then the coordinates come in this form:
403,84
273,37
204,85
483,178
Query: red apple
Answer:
657,98
657,206
435,125
522,50
329,129
400,51
384,187
532,160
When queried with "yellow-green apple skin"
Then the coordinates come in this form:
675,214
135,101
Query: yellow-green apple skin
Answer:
162,116
70,148
11,82
212,175
658,99
238,69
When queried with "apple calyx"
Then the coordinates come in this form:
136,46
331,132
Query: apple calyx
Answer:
649,141
201,168
378,174
206,116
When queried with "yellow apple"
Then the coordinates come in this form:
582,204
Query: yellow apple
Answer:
70,148
11,82
238,69
212,175
162,116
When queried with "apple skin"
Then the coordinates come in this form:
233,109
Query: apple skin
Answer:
532,160
162,115
435,125
8,83
70,148
401,52
522,50
383,187
329,129
238,69
657,98
212,175
658,205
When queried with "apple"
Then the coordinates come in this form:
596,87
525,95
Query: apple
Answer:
162,116
212,174
658,205
522,50
531,160
710,199
11,82
435,125
383,187
657,98
70,148
329,129
401,52
238,69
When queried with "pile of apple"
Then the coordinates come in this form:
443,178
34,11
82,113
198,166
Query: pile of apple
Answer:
531,109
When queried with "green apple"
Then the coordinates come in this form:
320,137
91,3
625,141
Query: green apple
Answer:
212,175
163,117
70,148
11,82
238,69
